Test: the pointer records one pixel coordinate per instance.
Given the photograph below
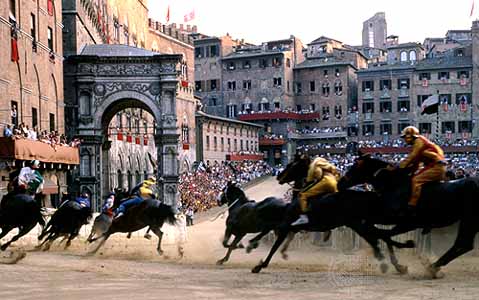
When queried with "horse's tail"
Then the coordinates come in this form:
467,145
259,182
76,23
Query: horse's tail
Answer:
167,213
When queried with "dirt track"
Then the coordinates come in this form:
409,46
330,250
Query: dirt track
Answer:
132,270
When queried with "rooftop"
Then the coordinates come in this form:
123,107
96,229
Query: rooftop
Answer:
203,114
106,50
406,45
321,62
445,62
323,39
254,53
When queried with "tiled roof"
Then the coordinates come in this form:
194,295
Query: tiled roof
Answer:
203,114
446,62
106,50
236,55
316,63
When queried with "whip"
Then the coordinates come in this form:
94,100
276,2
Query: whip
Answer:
221,213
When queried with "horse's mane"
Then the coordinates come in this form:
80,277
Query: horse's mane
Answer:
166,212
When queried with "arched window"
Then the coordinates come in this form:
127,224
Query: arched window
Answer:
85,104
403,56
412,55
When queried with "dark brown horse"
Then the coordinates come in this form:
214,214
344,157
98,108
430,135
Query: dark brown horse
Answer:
150,213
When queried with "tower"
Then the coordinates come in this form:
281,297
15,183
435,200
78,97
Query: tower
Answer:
375,31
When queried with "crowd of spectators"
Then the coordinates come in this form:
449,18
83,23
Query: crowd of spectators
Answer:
320,130
266,109
52,138
200,188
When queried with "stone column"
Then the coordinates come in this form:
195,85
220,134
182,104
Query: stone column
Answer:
166,141
92,144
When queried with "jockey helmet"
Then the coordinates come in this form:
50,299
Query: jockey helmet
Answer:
35,164
410,131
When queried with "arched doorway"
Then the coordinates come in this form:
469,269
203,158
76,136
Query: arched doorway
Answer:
97,87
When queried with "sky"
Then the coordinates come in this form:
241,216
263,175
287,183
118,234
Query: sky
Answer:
262,20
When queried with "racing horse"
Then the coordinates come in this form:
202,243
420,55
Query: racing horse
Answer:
65,222
247,216
349,208
18,211
149,213
441,204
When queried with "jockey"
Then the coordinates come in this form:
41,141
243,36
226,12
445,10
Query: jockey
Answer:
83,200
322,179
30,181
429,154
139,193
108,205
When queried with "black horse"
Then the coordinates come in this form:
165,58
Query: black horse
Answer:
349,208
18,211
150,213
440,204
247,216
65,222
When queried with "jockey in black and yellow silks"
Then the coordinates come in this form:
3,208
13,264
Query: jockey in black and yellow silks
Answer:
322,179
424,152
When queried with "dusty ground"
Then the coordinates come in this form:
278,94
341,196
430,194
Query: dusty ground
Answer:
131,269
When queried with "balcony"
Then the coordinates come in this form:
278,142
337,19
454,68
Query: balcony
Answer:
23,149
318,135
279,115
271,142
243,156
403,93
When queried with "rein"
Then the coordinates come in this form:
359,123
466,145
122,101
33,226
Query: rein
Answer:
293,188
221,213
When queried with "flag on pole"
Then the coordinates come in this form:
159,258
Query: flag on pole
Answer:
472,9
430,105
168,15
189,16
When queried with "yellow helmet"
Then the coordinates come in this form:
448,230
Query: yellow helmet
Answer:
410,131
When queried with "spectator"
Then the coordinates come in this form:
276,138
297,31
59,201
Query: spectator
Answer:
7,132
13,115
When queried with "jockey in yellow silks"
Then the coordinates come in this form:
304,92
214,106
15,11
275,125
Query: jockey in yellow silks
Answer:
322,178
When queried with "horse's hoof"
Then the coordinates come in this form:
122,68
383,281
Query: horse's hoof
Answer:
147,236
249,249
402,270
4,247
384,267
256,269
410,244
220,262
434,271
160,252
285,256
240,246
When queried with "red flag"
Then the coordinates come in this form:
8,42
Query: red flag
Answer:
472,8
189,16
168,15
15,56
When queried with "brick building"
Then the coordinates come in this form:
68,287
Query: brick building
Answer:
220,139
31,78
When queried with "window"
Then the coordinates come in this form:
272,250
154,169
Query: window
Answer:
443,75
231,111
222,144
386,128
263,63
462,74
231,85
403,56
116,29
213,85
298,107
277,81
445,98
246,64
368,129
312,86
33,30
368,86
231,66
52,122
213,50
288,63
448,127
229,144
287,85
247,84
402,125
213,101
424,76
385,106
336,72
412,55
403,106
119,122
385,84
276,61
299,88
325,110
325,89
325,73
276,105
425,128
235,145
338,112
463,98
421,98
264,106
199,52
34,117
126,34
403,83
198,86
338,88
50,38
312,107
215,143
464,127
368,107
241,145
207,142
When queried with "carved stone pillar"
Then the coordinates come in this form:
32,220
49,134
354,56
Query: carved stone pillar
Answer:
89,180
